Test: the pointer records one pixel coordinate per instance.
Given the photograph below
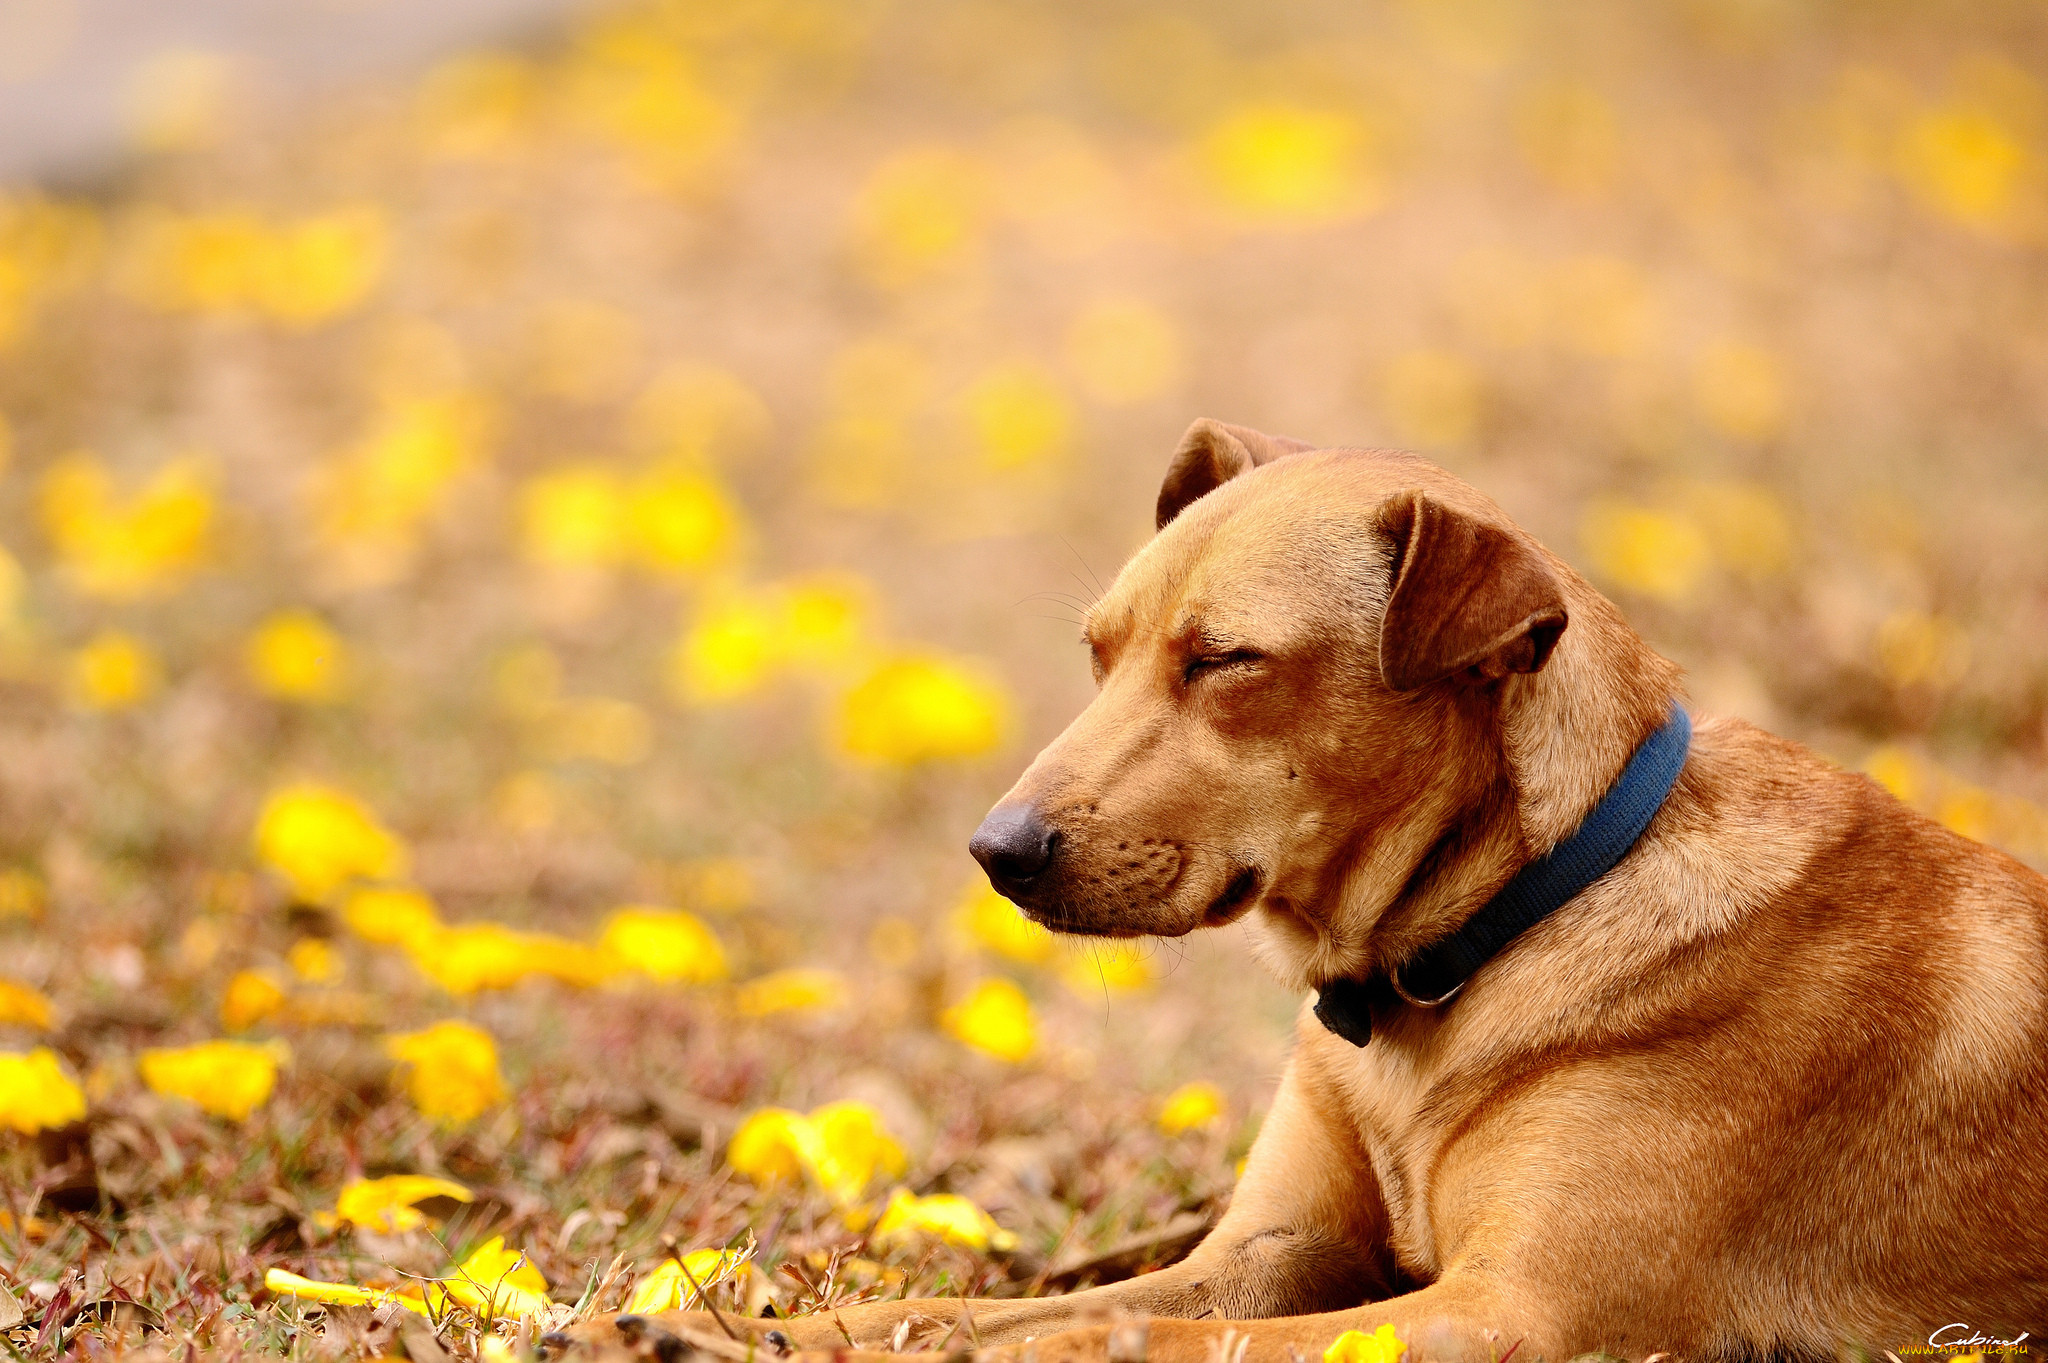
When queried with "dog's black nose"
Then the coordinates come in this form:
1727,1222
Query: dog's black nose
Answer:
1014,845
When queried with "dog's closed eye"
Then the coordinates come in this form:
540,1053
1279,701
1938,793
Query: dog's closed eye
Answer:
1211,662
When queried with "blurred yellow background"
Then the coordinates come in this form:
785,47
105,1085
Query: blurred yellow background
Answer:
615,506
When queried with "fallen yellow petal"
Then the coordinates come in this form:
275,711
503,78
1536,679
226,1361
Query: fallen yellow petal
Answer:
228,1079
36,1094
1355,1346
341,1294
495,1281
388,1204
23,1006
668,1287
948,1216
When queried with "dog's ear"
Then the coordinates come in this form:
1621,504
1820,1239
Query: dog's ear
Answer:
1210,455
1470,599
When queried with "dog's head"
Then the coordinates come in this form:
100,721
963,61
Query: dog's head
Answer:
1301,682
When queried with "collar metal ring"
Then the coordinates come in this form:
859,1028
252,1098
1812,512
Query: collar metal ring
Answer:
1394,978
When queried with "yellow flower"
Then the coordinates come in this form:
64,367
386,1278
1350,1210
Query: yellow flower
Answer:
22,1006
314,960
668,1287
1968,810
996,1018
197,262
391,915
631,85
302,272
1019,416
664,944
947,1216
36,1094
126,547
369,504
791,991
467,957
1000,926
842,1147
682,523
922,211
1656,553
1124,351
918,708
730,650
319,839
1190,1106
492,1283
1740,389
1287,164
1434,397
113,672
773,1146
740,640
853,1148
344,1294
295,655
1897,771
250,998
824,619
1355,1346
1965,163
498,1282
389,1204
228,1079
321,267
451,1070
573,517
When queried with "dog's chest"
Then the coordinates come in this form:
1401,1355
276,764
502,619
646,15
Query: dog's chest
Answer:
1386,1096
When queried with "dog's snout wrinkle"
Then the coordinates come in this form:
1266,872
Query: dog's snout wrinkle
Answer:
1015,845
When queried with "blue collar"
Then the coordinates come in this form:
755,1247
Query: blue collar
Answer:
1435,974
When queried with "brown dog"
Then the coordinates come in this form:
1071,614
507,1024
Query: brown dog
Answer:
1775,1085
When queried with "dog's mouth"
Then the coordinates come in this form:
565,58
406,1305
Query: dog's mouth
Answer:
1237,896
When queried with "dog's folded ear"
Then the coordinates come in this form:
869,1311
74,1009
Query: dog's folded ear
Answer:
1470,599
1210,455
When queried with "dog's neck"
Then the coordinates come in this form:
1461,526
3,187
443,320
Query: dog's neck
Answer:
1559,738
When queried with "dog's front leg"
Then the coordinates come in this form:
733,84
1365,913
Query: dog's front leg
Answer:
1458,1319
